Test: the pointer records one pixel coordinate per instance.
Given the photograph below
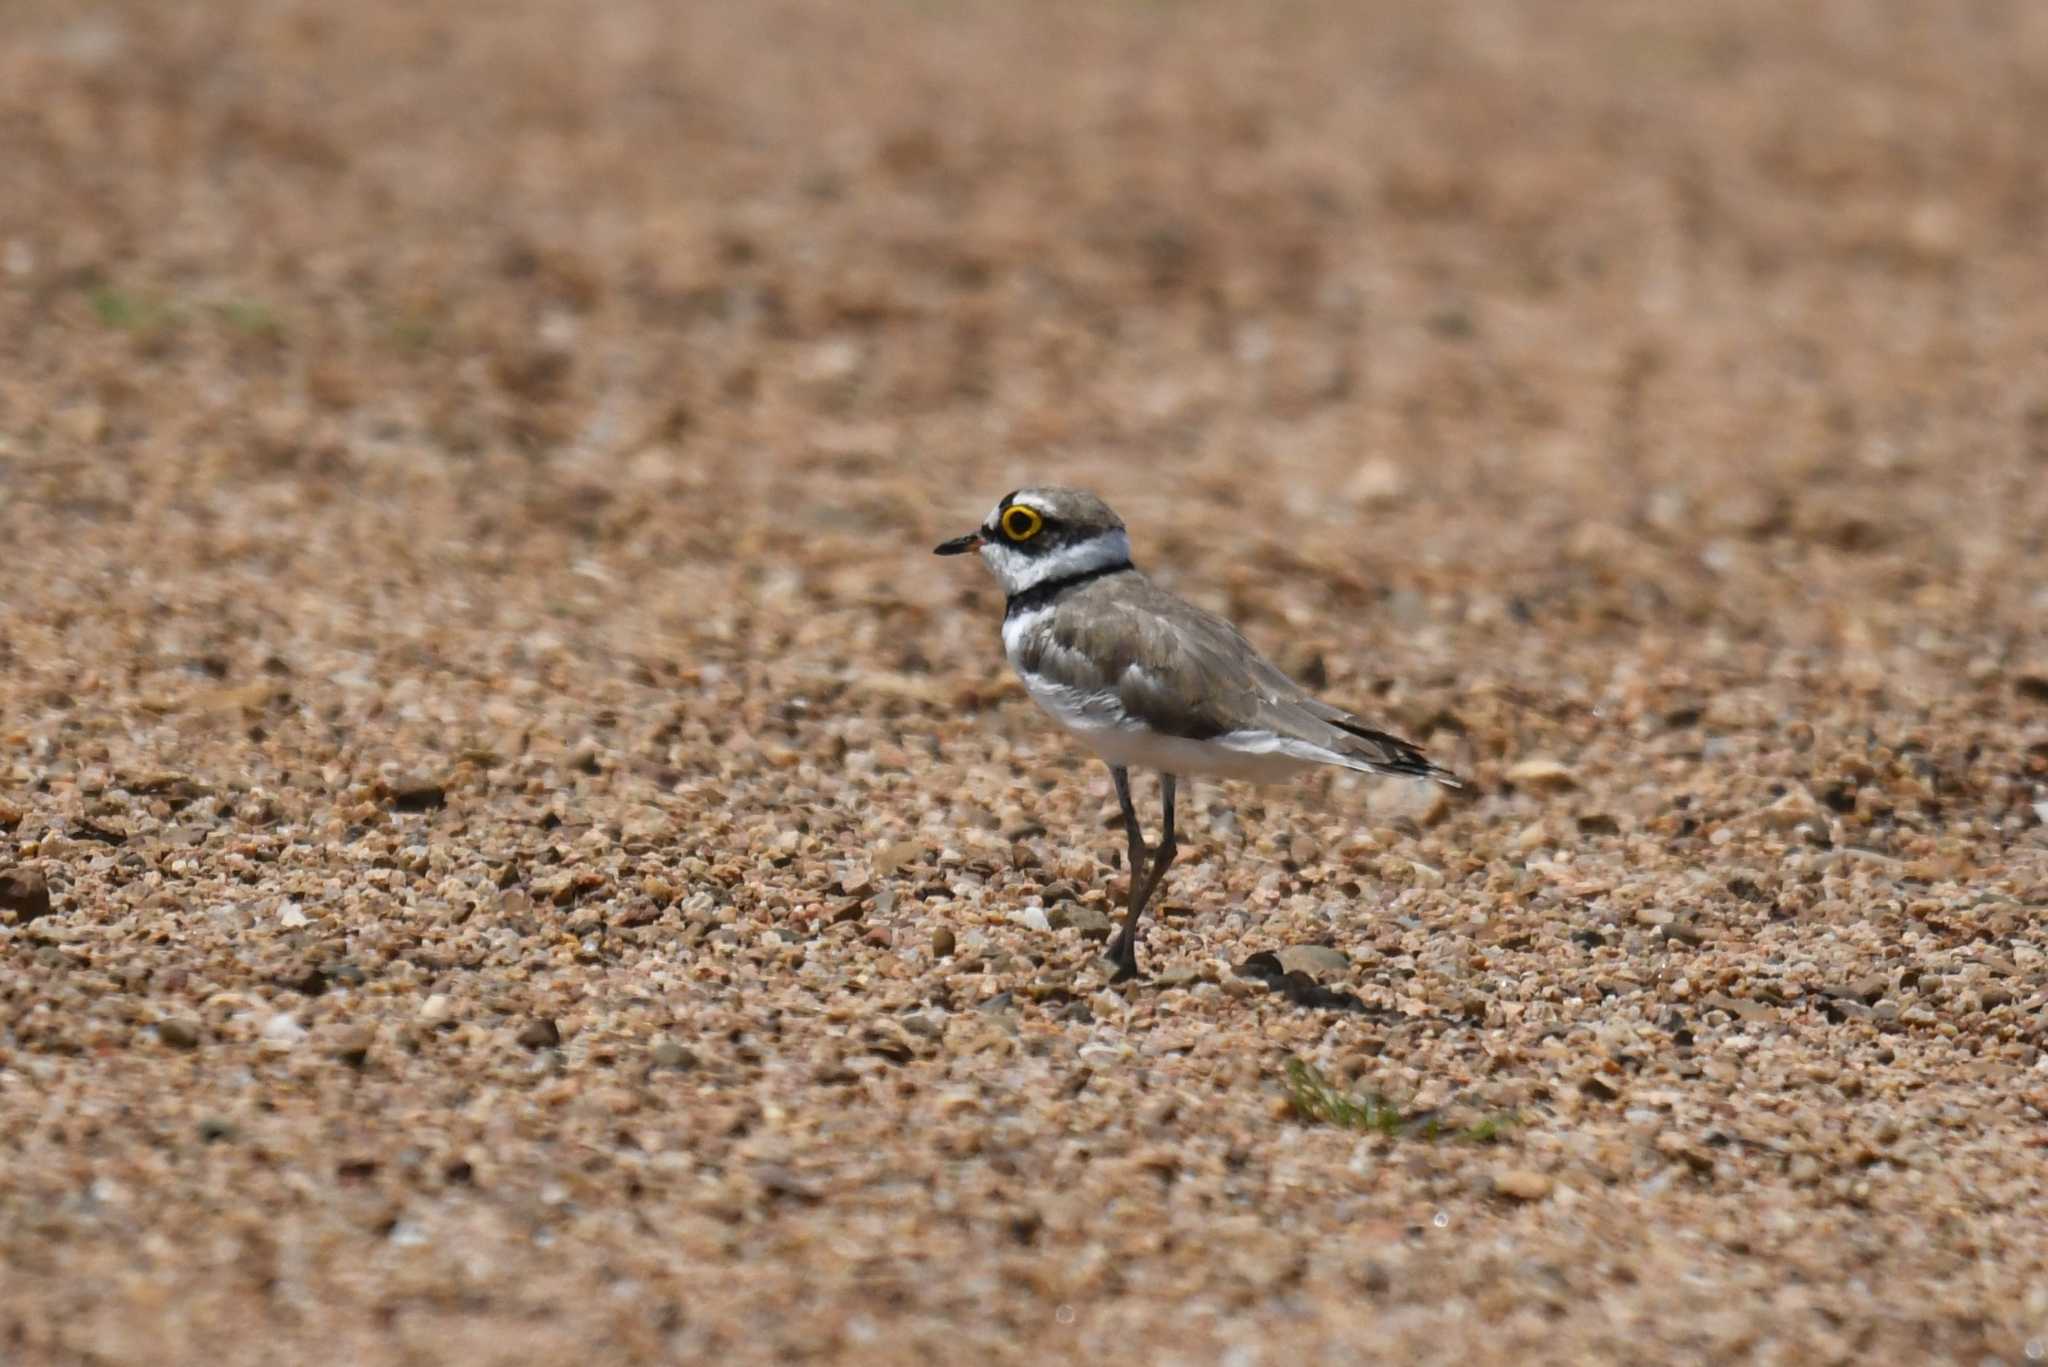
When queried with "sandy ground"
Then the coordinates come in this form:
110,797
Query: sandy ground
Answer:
511,849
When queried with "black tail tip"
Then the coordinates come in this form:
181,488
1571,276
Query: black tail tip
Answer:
1418,767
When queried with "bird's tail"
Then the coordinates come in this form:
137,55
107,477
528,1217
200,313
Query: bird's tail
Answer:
1382,753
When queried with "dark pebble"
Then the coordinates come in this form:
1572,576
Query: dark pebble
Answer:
418,795
26,893
179,1032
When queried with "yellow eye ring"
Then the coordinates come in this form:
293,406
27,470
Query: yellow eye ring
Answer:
1021,523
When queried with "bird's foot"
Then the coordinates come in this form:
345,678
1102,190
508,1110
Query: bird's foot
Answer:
1123,953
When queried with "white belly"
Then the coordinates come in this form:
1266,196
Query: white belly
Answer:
1099,721
1178,755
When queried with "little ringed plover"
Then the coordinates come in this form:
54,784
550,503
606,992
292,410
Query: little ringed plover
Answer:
1151,681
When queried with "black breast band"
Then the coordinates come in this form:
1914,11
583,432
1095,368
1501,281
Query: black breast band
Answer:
1040,594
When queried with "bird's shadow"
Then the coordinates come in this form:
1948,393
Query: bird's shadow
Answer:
1299,987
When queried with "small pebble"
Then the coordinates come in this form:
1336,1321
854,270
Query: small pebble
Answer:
179,1032
1542,773
282,1032
666,1053
352,1045
1520,1184
1318,961
1092,922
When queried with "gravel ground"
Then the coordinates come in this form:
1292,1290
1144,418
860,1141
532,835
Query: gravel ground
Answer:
511,849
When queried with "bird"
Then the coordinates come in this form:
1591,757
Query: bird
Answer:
1150,681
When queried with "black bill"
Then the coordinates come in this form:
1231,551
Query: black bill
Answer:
960,545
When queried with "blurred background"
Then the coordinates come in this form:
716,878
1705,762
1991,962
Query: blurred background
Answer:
1671,318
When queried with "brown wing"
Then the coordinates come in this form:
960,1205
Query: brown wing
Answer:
1186,672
